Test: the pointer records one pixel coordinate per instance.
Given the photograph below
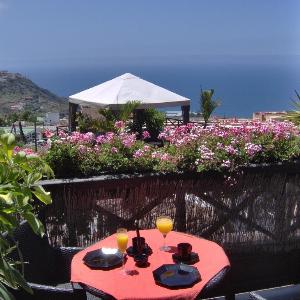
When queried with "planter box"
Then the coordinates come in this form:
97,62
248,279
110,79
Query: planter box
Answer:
257,205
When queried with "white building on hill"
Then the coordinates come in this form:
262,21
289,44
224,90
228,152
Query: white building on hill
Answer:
52,118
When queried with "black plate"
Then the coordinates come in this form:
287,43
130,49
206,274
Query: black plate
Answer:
97,259
147,251
194,258
178,275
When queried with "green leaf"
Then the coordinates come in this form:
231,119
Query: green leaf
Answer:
48,171
11,140
21,282
33,178
24,201
5,294
7,198
6,272
42,195
35,223
3,243
8,219
10,249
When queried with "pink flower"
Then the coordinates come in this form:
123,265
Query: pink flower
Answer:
28,151
138,153
17,149
82,149
48,134
165,157
109,136
62,134
114,150
231,150
88,137
100,139
82,138
119,124
155,154
226,164
252,149
206,153
220,146
147,148
128,139
146,134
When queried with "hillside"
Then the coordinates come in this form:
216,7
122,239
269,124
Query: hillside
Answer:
18,93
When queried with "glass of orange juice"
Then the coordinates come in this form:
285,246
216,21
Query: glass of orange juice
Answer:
122,241
164,224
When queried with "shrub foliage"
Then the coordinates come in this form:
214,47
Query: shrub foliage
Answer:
189,148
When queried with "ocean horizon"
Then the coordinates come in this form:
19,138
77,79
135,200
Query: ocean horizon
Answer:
243,86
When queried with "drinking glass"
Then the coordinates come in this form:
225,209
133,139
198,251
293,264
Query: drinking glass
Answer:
164,224
122,241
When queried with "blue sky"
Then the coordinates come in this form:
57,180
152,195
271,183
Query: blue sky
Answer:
56,32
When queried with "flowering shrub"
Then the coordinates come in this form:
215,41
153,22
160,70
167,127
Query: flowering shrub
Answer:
84,154
27,151
228,147
47,133
186,148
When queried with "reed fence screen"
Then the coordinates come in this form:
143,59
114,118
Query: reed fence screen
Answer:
256,206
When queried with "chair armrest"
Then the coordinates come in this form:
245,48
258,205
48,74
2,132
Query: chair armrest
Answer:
41,291
214,282
45,292
254,296
69,251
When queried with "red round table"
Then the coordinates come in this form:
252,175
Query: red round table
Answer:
141,285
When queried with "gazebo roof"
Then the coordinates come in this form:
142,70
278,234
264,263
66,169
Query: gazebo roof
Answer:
128,87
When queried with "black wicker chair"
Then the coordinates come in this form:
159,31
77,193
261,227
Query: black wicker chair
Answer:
46,269
281,293
209,288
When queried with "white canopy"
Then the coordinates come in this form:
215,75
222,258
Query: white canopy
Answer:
128,87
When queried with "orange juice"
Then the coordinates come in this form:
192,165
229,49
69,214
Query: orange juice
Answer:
164,225
122,240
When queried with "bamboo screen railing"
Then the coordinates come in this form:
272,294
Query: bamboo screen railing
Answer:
259,205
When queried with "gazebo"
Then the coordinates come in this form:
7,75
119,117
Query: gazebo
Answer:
127,87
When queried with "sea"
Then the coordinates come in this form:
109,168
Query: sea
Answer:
242,84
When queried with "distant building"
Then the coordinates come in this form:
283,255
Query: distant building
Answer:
173,113
40,119
52,118
64,122
16,107
270,116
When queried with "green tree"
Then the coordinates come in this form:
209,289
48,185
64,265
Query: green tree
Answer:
154,122
12,118
294,116
2,121
28,116
19,174
107,119
207,104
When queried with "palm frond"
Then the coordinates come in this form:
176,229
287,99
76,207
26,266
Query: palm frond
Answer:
294,115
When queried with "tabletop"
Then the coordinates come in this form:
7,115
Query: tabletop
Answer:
140,284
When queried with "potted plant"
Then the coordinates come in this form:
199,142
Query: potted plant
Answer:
19,189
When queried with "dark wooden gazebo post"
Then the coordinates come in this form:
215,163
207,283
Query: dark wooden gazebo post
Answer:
185,113
138,115
72,116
